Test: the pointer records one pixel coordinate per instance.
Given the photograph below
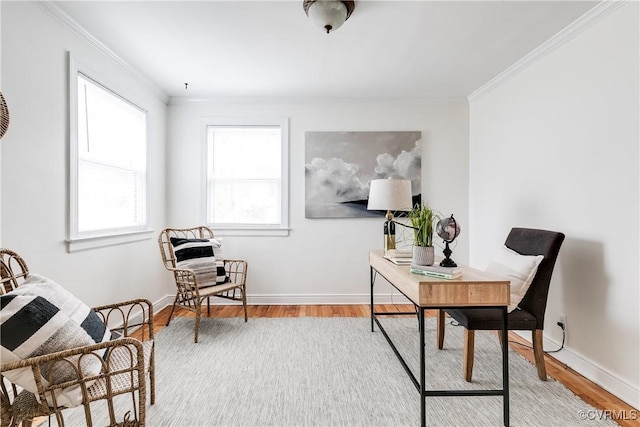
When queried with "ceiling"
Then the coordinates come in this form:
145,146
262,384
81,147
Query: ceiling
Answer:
270,48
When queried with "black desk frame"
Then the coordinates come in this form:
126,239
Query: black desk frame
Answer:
420,384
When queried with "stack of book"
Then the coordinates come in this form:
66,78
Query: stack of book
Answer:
399,256
437,271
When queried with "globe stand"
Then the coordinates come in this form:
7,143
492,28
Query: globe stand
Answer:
448,237
447,262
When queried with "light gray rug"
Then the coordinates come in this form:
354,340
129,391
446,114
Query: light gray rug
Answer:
336,372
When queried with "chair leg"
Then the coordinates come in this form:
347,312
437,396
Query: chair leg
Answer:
244,303
197,325
173,307
538,353
440,333
152,376
469,340
208,306
499,334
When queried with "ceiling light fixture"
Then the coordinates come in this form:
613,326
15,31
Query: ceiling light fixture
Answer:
329,14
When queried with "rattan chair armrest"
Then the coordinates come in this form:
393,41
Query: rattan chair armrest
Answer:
183,272
236,270
128,318
139,301
230,260
186,281
63,354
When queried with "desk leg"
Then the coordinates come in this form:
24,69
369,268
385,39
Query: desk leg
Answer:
505,365
372,279
423,421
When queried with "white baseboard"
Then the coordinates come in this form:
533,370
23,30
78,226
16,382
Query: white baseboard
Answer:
324,299
297,299
592,371
163,302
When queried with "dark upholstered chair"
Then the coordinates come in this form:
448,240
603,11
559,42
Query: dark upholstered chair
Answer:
529,316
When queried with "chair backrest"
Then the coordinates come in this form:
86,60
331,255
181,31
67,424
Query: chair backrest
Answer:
164,241
528,241
13,270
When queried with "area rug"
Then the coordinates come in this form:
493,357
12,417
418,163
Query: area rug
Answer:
336,372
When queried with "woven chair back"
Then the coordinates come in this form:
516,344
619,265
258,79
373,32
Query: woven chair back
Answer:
13,270
164,241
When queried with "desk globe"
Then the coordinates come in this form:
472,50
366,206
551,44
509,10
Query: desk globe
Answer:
448,229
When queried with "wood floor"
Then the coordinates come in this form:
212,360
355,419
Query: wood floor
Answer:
607,405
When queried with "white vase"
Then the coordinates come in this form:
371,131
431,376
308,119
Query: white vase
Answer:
423,255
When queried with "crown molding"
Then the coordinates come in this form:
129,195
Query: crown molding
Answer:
62,17
315,100
589,18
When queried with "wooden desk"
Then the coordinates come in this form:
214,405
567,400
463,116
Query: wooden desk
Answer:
474,289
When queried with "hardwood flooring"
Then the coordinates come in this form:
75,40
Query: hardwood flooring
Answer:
607,405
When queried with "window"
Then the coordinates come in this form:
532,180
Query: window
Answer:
247,176
108,163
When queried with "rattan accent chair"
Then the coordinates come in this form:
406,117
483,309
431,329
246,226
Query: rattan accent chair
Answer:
121,382
189,295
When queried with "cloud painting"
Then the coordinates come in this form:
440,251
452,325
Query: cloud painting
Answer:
340,165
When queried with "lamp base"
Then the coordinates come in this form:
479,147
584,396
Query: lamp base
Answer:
389,235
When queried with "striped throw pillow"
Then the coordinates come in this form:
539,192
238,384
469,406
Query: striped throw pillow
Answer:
41,317
200,256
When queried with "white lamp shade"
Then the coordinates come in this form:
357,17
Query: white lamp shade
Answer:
390,195
328,14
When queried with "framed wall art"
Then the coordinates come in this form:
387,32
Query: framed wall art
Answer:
340,165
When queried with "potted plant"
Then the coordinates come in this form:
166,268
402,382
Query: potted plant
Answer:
422,220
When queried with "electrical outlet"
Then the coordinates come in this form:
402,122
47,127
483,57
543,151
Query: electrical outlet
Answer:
562,322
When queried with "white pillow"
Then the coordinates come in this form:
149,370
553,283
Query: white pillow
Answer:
519,269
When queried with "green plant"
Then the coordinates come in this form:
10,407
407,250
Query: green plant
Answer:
422,219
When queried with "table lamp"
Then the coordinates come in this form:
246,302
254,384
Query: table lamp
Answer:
389,195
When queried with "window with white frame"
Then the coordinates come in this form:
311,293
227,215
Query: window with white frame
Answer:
108,164
247,176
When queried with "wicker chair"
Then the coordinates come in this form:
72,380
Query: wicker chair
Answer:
189,295
121,382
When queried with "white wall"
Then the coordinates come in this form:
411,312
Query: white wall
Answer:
1,139
556,147
322,260
35,157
